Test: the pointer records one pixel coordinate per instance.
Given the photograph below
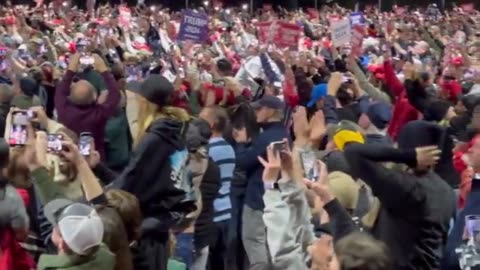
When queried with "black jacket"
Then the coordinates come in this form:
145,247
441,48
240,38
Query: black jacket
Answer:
378,139
209,187
415,209
156,175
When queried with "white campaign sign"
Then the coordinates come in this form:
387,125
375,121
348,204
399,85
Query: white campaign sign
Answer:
341,32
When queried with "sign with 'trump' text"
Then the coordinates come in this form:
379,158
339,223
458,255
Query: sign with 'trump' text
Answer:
194,27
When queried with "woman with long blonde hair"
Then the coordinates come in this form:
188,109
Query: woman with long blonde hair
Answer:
157,171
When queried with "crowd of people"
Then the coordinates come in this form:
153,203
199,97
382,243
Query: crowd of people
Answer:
127,147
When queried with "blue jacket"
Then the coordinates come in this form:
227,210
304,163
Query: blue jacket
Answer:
247,161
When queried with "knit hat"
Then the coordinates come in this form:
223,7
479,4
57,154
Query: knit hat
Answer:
419,133
155,88
436,110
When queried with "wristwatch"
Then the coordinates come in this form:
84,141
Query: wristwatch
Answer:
271,185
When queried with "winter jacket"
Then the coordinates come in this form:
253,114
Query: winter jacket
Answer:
247,160
415,209
435,110
378,139
103,259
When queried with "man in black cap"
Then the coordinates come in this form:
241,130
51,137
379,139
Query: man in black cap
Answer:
269,112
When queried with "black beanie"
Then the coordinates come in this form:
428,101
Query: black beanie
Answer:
436,110
420,133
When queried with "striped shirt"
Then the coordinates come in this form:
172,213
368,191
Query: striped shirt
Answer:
224,156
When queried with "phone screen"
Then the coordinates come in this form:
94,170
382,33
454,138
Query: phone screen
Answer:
18,131
279,147
87,60
85,144
55,142
133,73
309,164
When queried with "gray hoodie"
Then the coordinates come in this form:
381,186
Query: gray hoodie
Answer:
287,243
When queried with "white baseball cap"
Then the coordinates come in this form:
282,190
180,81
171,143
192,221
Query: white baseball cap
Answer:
79,224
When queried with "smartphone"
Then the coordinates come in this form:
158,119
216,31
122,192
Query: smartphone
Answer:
54,143
85,143
87,60
133,73
279,146
18,131
309,165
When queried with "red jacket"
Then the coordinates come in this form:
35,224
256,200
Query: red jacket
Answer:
403,111
290,96
12,255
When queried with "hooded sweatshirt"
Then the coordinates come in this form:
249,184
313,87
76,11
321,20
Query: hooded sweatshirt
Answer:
156,175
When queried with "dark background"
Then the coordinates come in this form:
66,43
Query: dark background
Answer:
289,4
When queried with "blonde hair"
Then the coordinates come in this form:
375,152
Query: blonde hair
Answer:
149,112
128,207
17,172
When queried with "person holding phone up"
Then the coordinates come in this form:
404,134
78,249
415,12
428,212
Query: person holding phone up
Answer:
75,101
269,112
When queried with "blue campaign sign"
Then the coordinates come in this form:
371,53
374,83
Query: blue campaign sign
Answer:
357,18
194,27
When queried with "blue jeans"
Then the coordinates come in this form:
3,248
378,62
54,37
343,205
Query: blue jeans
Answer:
184,248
